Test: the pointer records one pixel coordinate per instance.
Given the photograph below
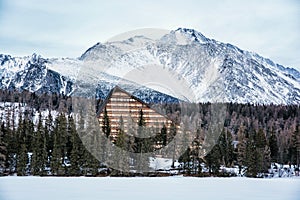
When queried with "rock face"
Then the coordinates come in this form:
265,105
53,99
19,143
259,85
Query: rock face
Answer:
212,70
30,73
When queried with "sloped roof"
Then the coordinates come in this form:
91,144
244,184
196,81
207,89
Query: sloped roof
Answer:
118,89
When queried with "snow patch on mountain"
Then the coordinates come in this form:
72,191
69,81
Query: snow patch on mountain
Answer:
211,70
31,73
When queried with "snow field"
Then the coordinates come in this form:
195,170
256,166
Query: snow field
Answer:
146,188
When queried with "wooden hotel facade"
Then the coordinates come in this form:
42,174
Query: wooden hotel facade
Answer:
121,104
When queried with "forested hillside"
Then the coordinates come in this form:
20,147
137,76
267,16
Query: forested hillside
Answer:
38,136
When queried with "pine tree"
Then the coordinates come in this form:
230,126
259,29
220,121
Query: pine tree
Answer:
3,152
241,149
55,160
266,159
164,135
262,151
141,121
106,124
173,131
142,163
59,152
27,132
251,159
77,150
92,164
185,158
121,136
212,160
21,143
22,160
172,134
12,140
40,155
89,163
197,152
273,147
91,140
49,135
295,146
121,159
140,132
260,139
104,144
226,147
62,127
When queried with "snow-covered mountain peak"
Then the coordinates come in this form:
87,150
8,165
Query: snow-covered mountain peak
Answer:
132,40
100,52
212,70
31,73
132,43
192,34
18,62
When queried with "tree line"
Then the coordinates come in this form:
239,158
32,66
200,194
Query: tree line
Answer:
252,137
48,147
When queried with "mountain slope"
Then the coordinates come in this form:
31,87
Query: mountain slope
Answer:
36,74
211,70
30,73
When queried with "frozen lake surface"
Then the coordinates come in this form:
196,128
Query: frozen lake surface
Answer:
144,188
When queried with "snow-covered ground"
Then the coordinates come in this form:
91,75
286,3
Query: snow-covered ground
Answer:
15,110
142,188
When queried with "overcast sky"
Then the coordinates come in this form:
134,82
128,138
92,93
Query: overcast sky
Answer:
66,28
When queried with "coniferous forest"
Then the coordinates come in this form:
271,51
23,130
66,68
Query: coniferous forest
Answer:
38,136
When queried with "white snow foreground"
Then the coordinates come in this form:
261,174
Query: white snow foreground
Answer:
176,187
